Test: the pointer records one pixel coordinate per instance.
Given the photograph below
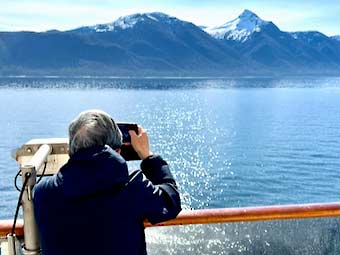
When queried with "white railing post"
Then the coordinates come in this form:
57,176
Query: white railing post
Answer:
31,237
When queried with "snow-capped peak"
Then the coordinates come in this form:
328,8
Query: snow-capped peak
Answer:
130,21
238,29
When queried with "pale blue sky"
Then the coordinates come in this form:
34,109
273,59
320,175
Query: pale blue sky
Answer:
35,15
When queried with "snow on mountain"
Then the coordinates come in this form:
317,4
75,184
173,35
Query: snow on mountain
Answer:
130,21
336,37
203,27
308,36
238,29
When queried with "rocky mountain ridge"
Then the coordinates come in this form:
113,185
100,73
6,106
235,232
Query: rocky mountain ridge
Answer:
159,44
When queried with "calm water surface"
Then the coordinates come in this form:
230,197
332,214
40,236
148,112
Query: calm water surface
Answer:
230,142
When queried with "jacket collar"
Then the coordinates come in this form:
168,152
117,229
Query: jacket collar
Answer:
92,171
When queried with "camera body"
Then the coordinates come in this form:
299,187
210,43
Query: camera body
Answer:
127,151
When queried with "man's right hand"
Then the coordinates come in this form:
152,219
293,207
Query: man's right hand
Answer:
140,142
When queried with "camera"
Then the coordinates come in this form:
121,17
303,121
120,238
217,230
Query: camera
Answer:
127,151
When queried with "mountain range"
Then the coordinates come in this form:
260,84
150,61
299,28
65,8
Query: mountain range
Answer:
158,44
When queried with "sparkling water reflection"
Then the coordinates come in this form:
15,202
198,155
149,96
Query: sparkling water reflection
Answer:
229,144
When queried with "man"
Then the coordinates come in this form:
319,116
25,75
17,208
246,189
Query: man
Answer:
92,205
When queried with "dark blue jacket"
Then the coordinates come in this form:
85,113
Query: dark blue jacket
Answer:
93,206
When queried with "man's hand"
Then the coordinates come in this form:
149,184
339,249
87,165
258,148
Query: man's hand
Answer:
140,142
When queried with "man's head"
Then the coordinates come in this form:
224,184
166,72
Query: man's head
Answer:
93,128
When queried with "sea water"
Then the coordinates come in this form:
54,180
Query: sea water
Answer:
230,142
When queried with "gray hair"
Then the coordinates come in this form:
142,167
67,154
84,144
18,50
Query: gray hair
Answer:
93,128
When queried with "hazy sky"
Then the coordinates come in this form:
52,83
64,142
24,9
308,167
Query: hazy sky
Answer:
35,15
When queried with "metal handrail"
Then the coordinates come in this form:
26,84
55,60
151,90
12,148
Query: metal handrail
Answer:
225,215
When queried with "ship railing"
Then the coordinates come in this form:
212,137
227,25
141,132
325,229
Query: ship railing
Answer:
303,229
227,215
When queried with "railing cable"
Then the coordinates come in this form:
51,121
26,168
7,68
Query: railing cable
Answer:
27,176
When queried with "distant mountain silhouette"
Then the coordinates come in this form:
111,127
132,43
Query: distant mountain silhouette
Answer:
158,44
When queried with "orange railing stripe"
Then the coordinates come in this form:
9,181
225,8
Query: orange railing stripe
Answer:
224,215
279,212
6,227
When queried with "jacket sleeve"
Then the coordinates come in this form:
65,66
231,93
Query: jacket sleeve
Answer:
162,201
